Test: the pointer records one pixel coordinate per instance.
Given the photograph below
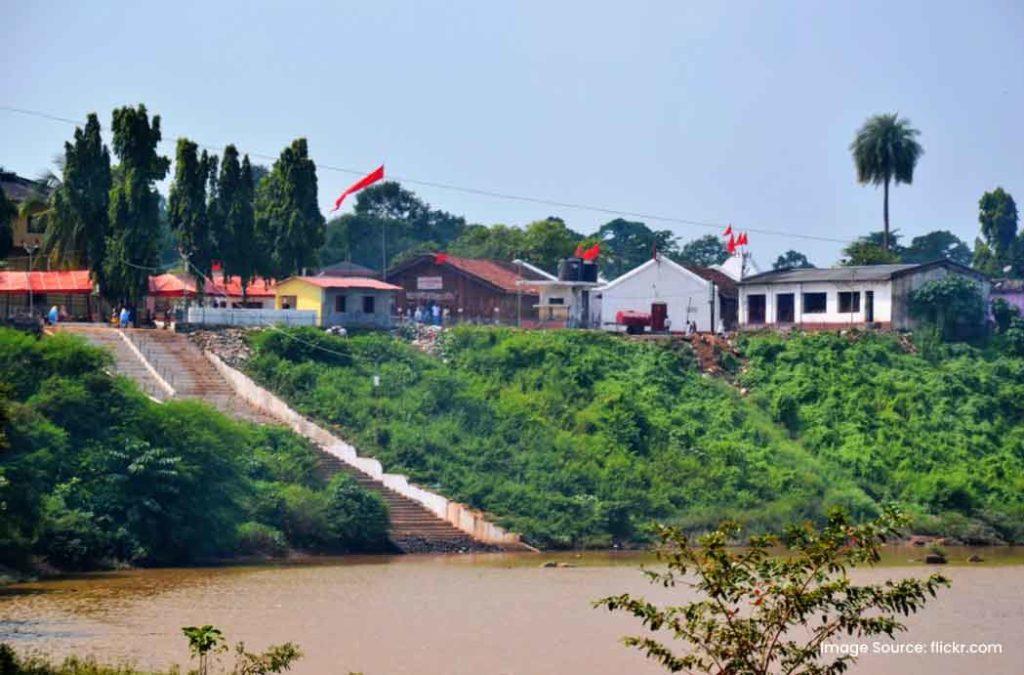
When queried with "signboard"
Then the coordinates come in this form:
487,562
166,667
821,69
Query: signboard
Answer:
429,283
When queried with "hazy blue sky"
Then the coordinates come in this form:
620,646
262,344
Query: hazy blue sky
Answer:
720,111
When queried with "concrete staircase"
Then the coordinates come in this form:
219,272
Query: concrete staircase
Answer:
182,366
126,361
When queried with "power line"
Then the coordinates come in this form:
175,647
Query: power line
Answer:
508,196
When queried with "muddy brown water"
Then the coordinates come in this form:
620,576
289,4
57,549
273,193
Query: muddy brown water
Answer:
472,614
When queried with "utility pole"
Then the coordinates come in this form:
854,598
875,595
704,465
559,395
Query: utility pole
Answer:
31,248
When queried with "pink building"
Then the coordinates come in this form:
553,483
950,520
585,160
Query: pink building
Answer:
1010,290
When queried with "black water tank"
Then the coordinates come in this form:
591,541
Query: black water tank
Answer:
570,269
589,272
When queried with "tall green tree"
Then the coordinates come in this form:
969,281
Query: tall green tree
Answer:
547,241
937,245
188,212
81,203
7,213
885,150
998,250
792,260
233,213
133,239
703,251
497,242
287,215
625,244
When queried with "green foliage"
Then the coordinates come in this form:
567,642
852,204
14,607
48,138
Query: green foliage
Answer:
627,244
203,642
187,208
703,251
356,519
760,612
233,218
866,252
132,245
1013,338
885,150
1003,314
941,434
288,218
792,260
572,438
1001,251
78,230
547,241
937,245
952,304
93,472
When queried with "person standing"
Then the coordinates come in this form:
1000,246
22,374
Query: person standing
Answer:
124,317
54,315
436,312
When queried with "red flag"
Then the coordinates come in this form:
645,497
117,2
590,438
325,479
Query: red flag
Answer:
728,231
579,251
366,181
216,266
742,241
440,258
591,253
731,246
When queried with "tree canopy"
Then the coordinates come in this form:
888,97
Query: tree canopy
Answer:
7,213
133,239
188,212
81,203
792,260
287,216
626,244
1000,250
703,251
885,150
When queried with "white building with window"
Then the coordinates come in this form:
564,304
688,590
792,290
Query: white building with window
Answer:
838,297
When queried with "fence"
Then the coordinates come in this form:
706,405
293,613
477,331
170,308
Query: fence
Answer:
224,316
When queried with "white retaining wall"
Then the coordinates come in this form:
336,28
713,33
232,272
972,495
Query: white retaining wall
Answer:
467,519
224,316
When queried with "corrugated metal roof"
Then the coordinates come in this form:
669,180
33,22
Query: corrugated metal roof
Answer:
177,286
844,274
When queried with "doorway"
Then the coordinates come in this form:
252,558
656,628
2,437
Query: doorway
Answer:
784,308
755,308
869,306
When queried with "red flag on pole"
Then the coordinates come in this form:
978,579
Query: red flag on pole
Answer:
728,231
579,251
366,181
742,241
731,246
591,253
440,258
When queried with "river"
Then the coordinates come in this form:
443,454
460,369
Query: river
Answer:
470,614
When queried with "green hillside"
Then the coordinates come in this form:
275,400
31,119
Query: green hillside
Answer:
577,438
93,473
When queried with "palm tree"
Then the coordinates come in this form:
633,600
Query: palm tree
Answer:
886,150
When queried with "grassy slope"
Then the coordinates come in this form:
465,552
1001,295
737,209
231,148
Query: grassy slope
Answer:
571,438
944,434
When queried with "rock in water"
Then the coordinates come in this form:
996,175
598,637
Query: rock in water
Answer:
935,559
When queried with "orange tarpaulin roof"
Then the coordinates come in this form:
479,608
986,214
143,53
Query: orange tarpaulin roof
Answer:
65,281
173,286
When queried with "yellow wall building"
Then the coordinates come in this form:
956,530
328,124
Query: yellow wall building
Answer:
340,301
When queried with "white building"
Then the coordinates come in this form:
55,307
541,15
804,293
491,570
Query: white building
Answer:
877,295
704,295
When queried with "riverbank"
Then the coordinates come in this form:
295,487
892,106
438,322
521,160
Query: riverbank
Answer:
473,613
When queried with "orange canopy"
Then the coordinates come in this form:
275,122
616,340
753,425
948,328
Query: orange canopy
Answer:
173,286
65,281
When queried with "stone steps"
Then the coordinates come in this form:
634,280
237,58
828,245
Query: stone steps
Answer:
413,528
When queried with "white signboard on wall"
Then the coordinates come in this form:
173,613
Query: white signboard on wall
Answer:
429,283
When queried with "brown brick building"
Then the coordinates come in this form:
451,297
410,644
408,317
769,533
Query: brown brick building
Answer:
470,289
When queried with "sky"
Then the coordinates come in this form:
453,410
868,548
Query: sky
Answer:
713,112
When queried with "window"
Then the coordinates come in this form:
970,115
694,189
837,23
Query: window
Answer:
815,303
339,304
556,301
368,304
288,301
849,303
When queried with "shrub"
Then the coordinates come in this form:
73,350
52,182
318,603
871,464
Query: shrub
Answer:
259,539
953,304
356,519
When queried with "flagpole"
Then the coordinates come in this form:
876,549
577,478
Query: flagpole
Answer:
383,249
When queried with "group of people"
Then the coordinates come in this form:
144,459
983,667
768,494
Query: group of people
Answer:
121,318
432,314
56,314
